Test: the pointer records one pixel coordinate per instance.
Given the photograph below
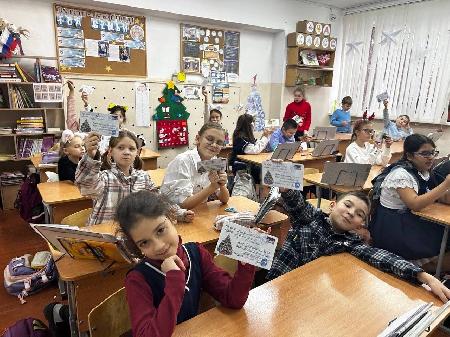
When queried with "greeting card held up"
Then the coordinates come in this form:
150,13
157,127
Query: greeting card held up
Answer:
105,124
216,164
246,245
282,174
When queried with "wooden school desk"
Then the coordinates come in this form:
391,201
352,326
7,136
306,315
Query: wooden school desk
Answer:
36,160
316,179
304,158
150,159
396,151
335,295
90,281
62,198
440,214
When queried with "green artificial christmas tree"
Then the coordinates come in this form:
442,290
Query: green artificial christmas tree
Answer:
170,107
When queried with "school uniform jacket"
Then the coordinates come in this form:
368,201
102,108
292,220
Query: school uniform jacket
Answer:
158,302
312,236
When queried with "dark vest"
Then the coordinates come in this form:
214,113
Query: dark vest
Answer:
157,282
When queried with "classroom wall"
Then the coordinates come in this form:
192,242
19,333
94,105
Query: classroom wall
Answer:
263,41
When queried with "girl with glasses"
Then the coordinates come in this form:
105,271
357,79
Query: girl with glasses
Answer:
184,185
404,187
362,150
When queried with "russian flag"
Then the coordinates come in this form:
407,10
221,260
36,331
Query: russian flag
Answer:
9,42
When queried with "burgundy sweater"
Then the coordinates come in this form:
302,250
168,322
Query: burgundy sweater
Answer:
146,320
301,109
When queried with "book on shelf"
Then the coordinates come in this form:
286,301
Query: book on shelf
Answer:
81,243
20,72
20,98
6,131
50,74
28,147
11,178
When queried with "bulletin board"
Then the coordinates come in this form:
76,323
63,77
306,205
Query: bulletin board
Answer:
96,42
206,49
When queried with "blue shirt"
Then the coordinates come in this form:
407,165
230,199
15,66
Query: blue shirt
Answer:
338,117
391,129
278,138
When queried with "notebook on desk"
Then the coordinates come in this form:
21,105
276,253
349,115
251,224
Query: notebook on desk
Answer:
345,174
79,243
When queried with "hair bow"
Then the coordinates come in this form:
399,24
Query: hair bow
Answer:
371,117
67,136
112,106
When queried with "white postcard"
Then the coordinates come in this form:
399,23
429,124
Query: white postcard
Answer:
282,174
246,245
105,124
216,164
383,96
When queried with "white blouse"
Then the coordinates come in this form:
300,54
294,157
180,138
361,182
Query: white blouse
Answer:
182,179
369,154
258,147
398,178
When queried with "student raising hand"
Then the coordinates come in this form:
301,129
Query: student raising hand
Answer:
435,285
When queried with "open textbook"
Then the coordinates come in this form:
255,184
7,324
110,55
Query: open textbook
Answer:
80,243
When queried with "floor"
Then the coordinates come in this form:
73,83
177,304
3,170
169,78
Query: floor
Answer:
17,238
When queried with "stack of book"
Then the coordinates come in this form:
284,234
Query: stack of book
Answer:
6,130
30,125
20,98
50,74
11,178
8,73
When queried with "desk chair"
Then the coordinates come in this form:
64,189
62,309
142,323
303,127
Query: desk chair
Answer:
110,318
77,219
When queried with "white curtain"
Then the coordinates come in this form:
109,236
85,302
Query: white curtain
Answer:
403,50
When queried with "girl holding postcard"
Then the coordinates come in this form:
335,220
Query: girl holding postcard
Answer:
184,185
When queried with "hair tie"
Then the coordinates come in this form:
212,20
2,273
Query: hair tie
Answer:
112,106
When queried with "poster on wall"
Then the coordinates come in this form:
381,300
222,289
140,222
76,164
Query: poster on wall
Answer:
97,42
204,50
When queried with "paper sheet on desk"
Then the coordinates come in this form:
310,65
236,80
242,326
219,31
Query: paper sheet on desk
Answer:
246,245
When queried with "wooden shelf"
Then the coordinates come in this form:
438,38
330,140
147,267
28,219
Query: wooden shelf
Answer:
317,68
32,134
30,109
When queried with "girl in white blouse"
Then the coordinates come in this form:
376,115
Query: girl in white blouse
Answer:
361,151
184,185
401,188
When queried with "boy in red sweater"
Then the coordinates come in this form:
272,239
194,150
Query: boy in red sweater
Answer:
300,111
164,289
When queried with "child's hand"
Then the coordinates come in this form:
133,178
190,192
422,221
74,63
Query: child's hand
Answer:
91,143
344,123
385,103
222,178
388,141
188,216
214,179
435,285
172,263
364,234
85,98
71,86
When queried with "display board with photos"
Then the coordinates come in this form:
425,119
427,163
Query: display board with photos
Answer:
98,42
204,50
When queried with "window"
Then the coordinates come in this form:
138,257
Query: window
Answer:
404,50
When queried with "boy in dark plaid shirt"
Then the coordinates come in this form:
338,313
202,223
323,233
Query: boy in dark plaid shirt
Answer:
314,234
